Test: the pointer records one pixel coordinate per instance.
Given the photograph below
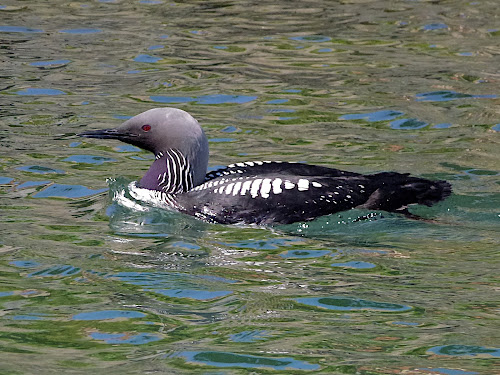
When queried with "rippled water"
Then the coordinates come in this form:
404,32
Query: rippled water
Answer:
90,284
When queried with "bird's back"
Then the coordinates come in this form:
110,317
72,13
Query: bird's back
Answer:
282,193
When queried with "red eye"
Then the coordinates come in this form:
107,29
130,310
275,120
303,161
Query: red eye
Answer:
146,128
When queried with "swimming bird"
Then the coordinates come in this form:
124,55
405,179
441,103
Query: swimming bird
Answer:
256,192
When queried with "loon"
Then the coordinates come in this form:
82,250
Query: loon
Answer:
256,192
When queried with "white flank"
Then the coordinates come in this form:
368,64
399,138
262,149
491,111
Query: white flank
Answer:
237,187
265,188
303,184
316,184
240,164
289,185
246,187
254,191
250,163
277,186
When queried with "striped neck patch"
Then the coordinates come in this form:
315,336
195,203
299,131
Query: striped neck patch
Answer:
178,176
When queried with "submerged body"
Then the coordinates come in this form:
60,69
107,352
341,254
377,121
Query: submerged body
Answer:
258,192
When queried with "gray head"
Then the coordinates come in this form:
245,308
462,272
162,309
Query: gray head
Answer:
161,129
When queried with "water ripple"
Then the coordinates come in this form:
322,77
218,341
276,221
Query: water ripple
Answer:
205,99
352,304
108,315
227,359
67,191
445,95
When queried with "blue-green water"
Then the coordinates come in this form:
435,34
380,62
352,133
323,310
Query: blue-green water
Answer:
92,280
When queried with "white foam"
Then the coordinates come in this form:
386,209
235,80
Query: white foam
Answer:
152,197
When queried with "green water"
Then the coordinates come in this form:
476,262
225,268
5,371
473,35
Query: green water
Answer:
88,285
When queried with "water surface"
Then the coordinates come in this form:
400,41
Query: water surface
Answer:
94,281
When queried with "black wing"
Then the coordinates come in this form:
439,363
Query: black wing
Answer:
280,199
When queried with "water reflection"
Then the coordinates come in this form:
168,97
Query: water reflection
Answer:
5,180
50,64
201,295
204,99
359,265
465,351
435,26
27,317
408,124
67,191
311,38
250,336
227,359
351,303
125,338
39,91
25,263
19,29
305,253
108,315
444,125
56,271
444,96
147,59
39,169
383,115
82,31
89,159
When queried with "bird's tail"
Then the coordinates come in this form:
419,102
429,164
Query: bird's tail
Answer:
396,191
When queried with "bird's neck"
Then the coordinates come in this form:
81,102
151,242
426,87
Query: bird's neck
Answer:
171,173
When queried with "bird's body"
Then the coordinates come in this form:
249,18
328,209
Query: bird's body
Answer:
256,192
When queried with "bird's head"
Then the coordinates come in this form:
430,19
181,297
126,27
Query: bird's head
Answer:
157,130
